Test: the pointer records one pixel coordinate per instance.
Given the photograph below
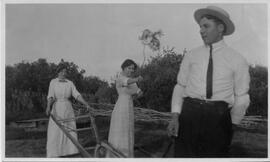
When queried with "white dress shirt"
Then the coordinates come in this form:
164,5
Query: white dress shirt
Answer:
230,78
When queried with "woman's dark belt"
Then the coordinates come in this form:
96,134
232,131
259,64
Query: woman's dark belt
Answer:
206,102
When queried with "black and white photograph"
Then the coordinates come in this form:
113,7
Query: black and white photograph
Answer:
138,80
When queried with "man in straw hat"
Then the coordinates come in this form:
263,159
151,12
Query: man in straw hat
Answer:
211,94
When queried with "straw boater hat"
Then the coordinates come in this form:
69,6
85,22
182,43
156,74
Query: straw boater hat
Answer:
217,12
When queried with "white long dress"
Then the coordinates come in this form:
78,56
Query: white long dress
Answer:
121,133
58,143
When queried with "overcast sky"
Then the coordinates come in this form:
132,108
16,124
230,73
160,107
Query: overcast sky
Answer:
99,37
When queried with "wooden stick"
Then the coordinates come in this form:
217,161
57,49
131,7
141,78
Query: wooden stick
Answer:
83,152
109,147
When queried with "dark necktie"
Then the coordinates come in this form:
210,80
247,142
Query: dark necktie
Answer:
209,77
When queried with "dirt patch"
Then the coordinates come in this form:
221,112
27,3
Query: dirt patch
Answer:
150,139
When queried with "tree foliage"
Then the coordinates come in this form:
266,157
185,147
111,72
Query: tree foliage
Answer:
29,76
27,85
258,91
107,94
36,76
159,80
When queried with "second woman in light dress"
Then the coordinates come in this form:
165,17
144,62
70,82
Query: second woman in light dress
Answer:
121,133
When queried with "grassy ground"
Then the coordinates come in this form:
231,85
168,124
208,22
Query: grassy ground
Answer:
249,144
149,137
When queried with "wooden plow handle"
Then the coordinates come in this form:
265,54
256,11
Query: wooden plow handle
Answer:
82,151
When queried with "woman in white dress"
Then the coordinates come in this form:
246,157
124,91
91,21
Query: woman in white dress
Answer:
121,133
60,90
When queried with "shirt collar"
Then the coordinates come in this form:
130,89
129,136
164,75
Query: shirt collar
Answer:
218,45
62,80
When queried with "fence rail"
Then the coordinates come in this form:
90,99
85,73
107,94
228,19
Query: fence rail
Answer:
141,115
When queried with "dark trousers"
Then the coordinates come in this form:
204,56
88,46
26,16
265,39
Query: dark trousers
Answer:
205,129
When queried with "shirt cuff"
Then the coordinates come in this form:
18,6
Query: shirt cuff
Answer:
237,119
48,97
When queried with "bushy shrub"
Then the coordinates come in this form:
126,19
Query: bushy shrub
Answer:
258,91
27,86
159,80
